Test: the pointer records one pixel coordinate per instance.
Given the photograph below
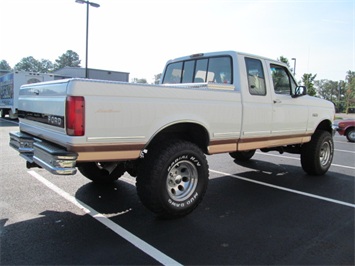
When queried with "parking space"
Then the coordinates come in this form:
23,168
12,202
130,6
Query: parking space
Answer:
266,211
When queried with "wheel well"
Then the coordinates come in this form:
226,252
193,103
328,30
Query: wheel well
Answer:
348,129
187,131
325,125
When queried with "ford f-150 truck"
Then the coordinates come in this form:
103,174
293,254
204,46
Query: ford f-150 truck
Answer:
220,102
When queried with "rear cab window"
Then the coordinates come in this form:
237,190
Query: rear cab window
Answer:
216,69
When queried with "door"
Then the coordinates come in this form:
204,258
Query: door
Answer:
289,115
257,104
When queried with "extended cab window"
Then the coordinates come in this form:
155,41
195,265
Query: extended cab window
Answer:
282,80
256,78
173,73
200,70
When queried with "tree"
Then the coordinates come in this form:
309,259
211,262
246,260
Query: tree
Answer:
45,66
308,81
286,61
349,94
157,78
327,89
331,91
137,80
33,65
28,64
4,65
69,58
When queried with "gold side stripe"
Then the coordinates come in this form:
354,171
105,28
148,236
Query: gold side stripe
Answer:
255,143
101,156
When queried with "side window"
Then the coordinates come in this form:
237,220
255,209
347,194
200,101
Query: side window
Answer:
256,78
282,80
220,70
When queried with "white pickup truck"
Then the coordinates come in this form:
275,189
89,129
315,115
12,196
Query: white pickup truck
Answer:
221,102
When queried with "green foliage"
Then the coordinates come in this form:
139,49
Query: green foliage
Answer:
327,89
157,78
32,65
308,81
284,60
28,64
69,58
4,65
349,94
45,66
137,80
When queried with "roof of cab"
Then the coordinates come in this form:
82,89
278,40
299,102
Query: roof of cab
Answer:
219,53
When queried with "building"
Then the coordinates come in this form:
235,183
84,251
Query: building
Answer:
79,72
3,72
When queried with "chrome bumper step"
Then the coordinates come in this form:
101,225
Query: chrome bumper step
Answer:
51,157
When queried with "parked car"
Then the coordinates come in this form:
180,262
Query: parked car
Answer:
347,128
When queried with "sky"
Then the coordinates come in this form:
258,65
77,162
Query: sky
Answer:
139,36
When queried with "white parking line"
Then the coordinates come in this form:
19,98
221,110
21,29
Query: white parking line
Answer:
287,189
345,151
294,158
139,243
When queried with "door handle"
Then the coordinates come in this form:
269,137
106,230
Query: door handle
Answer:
277,101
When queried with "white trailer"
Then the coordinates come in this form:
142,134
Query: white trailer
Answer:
10,84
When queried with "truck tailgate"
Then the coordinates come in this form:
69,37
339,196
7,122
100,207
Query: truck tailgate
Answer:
43,105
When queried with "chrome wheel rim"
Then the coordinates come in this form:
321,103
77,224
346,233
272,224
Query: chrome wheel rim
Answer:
325,153
182,180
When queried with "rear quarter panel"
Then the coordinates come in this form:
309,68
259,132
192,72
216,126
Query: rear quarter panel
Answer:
125,112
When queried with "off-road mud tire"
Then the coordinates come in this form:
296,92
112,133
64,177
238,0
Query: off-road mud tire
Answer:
172,178
242,156
102,172
317,155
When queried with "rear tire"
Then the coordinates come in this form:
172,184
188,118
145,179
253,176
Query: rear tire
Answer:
102,172
173,178
242,156
317,155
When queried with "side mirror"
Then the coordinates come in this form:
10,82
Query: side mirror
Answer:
299,91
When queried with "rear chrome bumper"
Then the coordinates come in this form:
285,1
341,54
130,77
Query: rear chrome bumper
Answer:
51,157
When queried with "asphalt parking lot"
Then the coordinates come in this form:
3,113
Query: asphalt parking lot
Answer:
264,212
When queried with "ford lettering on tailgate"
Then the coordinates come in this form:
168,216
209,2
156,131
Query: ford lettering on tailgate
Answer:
53,120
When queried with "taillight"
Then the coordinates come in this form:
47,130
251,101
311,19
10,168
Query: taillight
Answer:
75,116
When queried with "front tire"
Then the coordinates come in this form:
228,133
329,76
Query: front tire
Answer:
173,179
102,172
317,155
